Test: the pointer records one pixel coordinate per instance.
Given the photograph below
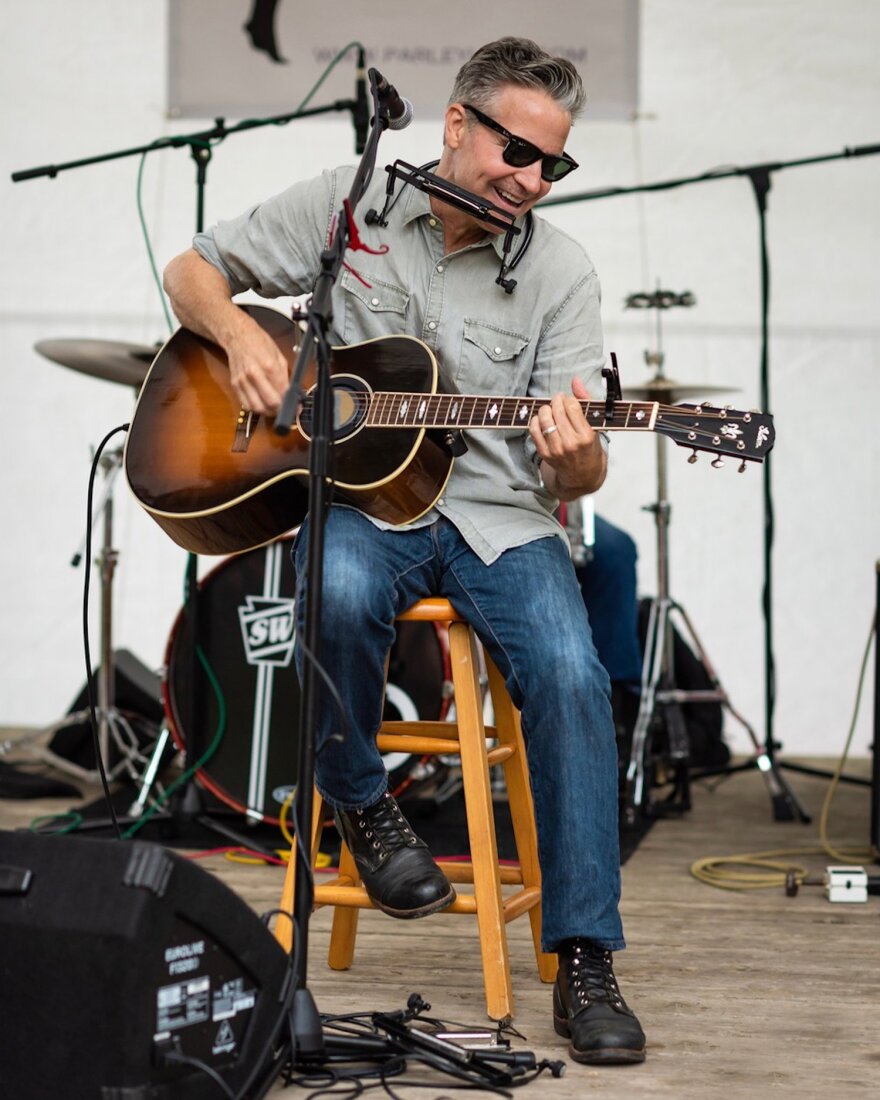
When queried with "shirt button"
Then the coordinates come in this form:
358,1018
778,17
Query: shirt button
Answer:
439,268
432,325
432,222
498,351
374,301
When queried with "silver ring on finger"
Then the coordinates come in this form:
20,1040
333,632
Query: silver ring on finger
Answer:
549,431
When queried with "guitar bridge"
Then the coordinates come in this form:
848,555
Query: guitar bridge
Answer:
244,429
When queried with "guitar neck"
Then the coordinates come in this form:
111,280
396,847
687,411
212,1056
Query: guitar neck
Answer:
409,410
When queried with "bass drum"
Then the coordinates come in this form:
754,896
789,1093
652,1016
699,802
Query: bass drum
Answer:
248,682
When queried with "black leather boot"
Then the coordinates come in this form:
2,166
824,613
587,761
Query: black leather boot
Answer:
396,867
589,1010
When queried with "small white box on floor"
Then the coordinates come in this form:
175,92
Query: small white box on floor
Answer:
846,884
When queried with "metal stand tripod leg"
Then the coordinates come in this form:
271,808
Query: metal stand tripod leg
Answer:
658,691
113,726
786,805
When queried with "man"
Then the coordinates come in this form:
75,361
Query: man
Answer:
491,543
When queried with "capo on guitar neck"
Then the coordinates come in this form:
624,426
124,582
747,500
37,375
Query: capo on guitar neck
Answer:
454,444
612,387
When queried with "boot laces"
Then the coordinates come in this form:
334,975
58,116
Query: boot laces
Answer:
591,977
385,827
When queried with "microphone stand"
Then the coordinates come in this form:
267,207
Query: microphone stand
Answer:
187,804
306,1033
785,804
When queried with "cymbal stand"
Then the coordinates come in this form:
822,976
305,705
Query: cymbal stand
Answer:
114,727
661,701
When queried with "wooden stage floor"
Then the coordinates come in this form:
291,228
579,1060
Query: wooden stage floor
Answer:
741,994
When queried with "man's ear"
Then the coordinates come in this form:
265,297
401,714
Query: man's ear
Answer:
455,124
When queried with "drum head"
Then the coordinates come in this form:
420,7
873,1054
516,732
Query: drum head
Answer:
247,690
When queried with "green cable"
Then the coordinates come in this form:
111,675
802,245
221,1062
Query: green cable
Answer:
73,817
203,759
140,209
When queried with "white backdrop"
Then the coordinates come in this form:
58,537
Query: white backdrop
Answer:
722,84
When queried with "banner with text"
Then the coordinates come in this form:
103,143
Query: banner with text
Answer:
255,58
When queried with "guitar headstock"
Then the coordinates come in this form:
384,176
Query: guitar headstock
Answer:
721,431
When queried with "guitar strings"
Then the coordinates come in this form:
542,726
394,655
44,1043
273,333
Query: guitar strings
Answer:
387,403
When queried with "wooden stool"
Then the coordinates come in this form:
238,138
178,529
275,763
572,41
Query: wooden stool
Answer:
468,738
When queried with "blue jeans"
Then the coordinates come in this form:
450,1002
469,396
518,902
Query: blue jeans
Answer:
527,610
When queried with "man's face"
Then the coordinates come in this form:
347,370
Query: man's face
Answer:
473,154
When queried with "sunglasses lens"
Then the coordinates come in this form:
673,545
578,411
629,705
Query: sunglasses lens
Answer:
554,168
520,154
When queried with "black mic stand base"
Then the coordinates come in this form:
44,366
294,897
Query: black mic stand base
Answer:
661,702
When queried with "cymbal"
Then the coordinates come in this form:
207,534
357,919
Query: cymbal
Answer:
112,360
667,389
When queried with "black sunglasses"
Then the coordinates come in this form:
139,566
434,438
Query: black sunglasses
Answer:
521,153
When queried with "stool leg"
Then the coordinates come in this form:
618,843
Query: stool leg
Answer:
481,823
522,810
345,919
283,923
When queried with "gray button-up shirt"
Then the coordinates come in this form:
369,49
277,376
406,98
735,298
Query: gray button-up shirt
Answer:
528,343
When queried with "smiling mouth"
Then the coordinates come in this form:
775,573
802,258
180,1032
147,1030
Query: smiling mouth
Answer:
506,197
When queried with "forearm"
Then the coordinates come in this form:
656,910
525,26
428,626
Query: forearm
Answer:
201,299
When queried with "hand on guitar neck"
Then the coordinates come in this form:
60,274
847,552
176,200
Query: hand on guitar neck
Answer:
573,461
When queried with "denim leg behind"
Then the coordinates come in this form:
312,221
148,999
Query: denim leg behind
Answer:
369,575
608,584
528,611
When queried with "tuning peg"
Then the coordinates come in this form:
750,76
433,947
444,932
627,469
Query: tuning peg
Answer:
741,469
717,463
692,458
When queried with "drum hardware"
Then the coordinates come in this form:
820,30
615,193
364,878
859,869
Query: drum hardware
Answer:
578,517
661,701
138,742
112,360
670,392
117,730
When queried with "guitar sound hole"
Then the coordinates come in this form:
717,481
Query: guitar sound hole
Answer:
350,406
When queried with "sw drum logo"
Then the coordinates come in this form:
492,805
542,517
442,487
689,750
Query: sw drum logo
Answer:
268,630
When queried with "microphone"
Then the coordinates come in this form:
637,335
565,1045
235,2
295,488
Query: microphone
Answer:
398,111
361,109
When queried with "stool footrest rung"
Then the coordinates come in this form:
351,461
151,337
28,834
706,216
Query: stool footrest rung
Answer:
356,897
394,741
462,870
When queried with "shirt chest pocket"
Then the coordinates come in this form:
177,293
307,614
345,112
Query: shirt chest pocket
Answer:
370,311
492,359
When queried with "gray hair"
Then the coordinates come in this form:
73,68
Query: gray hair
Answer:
522,62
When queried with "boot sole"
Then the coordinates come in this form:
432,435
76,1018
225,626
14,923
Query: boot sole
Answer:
608,1056
415,914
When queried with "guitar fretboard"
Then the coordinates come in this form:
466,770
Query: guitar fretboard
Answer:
408,410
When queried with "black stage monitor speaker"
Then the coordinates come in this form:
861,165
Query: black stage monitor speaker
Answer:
115,953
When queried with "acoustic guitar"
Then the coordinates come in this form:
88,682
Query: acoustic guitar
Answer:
219,480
